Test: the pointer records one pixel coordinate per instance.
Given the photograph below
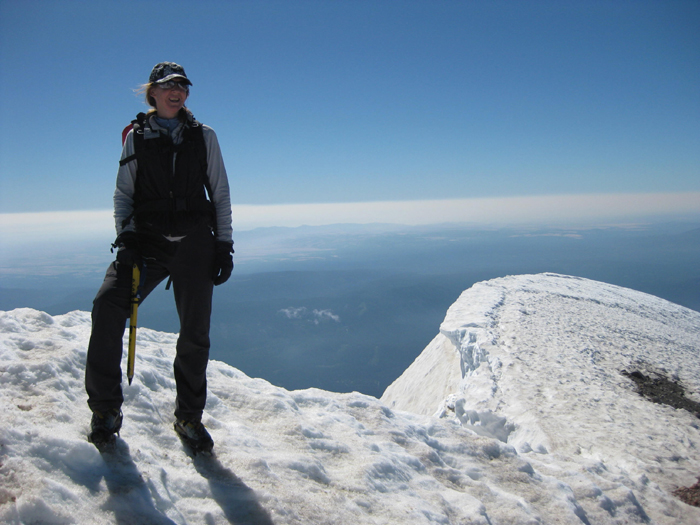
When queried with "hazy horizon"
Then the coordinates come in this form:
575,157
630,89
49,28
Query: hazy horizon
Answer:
588,210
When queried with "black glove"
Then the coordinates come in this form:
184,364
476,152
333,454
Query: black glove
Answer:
129,251
223,262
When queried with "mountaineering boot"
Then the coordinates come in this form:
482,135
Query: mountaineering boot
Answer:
194,435
104,426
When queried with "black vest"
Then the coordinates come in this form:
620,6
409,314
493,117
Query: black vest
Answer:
170,196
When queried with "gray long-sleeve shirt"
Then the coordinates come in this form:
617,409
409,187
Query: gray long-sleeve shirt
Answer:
216,171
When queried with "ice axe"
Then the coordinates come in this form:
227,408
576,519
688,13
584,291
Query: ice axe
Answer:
135,299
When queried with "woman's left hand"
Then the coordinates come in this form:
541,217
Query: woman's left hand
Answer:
223,262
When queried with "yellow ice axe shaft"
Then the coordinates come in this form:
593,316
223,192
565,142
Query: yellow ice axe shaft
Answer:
135,281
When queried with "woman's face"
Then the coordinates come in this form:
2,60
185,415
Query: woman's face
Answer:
169,101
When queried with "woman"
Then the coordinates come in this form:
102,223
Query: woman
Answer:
173,218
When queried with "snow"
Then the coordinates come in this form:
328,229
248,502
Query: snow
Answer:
536,362
516,413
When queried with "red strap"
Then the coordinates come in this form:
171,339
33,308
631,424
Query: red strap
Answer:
126,132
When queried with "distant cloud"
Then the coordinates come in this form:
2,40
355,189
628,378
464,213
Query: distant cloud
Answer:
56,225
314,316
325,315
479,211
544,210
294,313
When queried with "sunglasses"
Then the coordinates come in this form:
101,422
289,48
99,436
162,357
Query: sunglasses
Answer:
172,84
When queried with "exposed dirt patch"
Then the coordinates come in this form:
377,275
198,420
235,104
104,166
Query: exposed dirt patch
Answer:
689,495
660,389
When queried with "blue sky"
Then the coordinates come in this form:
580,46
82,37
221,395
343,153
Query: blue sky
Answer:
360,101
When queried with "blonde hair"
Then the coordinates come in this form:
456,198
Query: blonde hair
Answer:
145,89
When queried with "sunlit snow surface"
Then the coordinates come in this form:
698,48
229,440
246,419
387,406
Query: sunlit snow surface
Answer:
518,414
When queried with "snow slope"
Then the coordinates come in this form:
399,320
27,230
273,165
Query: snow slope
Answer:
536,360
536,425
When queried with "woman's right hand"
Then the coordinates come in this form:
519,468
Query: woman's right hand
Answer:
129,251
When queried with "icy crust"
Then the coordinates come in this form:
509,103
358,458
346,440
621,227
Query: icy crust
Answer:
540,360
302,457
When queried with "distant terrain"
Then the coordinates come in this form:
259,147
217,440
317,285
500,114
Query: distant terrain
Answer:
349,307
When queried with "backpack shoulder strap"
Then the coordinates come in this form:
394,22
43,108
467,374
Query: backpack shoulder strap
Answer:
197,134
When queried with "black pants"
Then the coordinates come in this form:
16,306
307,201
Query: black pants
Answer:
189,263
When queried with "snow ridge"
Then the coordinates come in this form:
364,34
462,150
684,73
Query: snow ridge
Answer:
540,360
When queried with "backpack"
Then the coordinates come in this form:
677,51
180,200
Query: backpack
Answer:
197,135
